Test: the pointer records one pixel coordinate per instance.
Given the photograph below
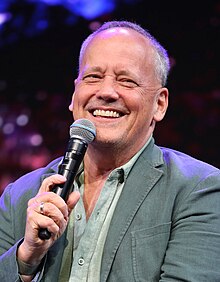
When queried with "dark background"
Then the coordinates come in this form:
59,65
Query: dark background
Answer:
39,48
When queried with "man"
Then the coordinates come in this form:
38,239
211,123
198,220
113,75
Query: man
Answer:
139,212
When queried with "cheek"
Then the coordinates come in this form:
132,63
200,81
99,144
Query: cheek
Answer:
81,93
144,108
138,104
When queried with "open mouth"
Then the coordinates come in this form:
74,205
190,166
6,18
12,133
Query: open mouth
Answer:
107,113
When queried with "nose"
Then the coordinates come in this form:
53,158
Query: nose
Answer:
107,90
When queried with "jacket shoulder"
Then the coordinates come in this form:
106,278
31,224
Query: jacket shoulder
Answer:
29,183
186,164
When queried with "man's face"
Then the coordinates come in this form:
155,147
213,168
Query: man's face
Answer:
117,89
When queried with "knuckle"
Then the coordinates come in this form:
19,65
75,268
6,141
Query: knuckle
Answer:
30,202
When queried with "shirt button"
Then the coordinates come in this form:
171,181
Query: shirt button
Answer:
81,261
78,216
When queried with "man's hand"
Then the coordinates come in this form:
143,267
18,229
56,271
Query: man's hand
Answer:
54,217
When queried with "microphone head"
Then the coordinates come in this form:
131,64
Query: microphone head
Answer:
83,129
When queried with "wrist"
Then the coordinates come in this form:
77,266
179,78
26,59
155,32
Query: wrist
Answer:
26,268
29,256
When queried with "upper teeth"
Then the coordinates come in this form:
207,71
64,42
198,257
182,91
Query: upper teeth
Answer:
105,113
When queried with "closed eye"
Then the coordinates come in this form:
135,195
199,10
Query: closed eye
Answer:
92,78
127,82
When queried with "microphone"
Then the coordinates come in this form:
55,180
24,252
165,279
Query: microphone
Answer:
82,132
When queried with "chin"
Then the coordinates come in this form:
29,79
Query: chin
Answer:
107,141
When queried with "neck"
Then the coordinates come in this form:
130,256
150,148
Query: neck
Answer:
105,159
101,158
99,161
98,165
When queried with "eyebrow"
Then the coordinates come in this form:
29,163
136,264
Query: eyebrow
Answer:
117,72
125,72
95,68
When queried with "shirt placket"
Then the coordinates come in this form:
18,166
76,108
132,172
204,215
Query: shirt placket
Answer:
86,233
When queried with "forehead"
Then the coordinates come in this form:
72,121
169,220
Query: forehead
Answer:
119,33
118,41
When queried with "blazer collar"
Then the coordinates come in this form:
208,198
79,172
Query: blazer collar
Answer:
142,178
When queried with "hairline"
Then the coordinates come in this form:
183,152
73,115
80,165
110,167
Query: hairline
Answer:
161,59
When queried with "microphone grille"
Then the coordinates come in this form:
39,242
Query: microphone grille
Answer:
83,129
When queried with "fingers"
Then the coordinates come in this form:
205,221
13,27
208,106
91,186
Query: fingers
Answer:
49,210
46,210
72,200
48,213
50,182
52,203
40,216
45,215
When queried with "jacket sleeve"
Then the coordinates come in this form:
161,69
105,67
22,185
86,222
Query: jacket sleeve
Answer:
12,225
13,207
8,244
193,252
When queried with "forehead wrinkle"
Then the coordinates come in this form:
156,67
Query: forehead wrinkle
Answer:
87,68
118,70
122,71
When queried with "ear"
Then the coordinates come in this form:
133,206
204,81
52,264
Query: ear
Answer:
72,101
161,104
71,104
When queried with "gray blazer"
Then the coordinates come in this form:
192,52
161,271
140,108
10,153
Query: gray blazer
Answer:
166,226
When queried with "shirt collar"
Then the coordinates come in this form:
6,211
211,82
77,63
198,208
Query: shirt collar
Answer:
122,171
127,167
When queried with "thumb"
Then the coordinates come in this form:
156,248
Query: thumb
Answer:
72,200
49,182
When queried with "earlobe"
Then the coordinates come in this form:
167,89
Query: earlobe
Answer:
71,104
161,104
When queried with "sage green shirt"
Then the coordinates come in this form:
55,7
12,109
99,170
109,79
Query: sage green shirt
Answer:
83,254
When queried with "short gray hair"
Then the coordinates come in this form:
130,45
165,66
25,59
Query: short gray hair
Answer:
162,64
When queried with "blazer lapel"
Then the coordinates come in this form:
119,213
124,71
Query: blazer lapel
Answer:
142,178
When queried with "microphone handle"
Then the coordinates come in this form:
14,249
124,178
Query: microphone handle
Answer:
68,168
43,233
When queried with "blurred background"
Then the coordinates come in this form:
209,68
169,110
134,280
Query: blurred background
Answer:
39,47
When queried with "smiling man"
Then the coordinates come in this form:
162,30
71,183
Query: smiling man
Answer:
118,90
138,212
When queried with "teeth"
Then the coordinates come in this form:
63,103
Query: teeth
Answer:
103,113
